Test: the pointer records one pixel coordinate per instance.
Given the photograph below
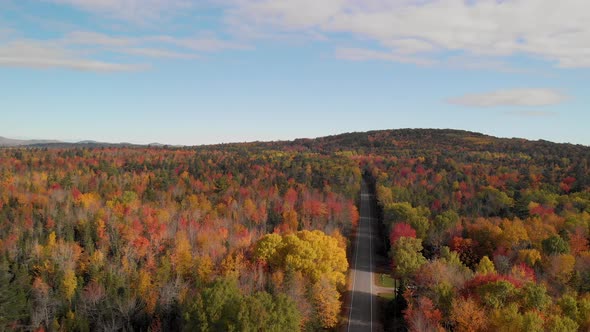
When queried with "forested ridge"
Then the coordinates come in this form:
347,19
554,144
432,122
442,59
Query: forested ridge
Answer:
486,234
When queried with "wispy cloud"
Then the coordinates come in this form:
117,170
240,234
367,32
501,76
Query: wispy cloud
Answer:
512,97
40,54
83,50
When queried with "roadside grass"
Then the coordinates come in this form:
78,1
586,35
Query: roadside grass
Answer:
384,280
386,296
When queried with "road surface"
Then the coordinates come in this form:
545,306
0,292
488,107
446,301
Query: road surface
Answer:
363,305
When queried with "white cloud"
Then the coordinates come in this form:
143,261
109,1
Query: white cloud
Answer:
512,97
554,31
401,30
39,54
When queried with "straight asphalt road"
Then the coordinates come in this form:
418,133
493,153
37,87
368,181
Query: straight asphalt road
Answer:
363,304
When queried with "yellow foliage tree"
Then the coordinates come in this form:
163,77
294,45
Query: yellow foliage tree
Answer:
249,209
144,283
327,302
147,291
69,284
204,268
468,316
267,248
485,266
182,258
384,195
529,256
232,265
290,219
514,233
51,241
560,267
314,253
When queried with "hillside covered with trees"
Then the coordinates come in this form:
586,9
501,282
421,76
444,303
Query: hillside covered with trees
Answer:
486,234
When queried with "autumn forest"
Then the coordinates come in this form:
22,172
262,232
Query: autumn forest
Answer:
481,233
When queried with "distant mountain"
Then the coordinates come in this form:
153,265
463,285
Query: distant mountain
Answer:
83,144
7,142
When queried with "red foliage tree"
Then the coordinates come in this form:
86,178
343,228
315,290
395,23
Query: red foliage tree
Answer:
401,230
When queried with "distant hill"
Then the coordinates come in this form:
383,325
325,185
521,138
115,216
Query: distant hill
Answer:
84,144
413,142
7,142
430,139
40,143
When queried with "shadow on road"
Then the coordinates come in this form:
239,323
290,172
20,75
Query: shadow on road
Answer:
361,322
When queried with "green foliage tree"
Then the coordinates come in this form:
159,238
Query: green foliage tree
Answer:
532,322
440,225
557,323
496,294
13,298
493,202
407,256
584,310
404,212
535,297
263,312
555,245
569,306
222,307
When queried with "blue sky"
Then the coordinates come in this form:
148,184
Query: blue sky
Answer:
210,71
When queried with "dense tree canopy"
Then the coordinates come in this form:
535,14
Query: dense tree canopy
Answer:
133,238
490,233
486,233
